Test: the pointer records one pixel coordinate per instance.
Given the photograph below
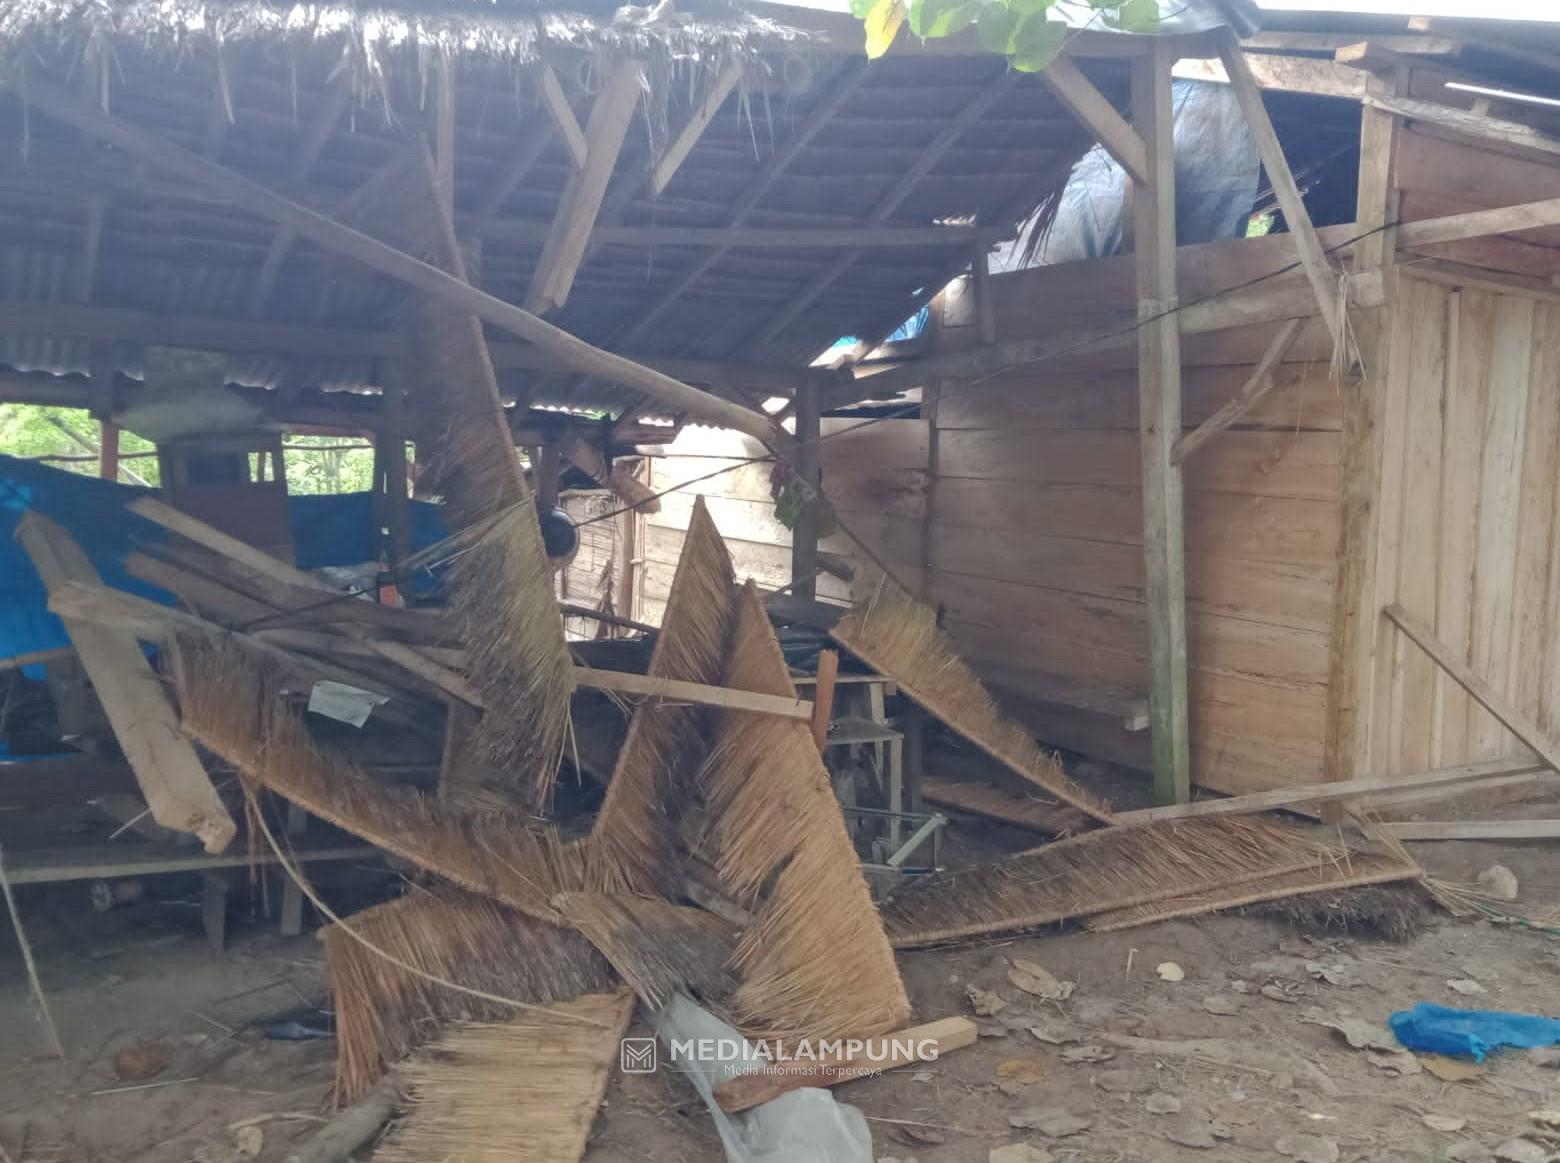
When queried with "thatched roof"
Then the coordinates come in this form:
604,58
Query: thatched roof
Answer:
812,137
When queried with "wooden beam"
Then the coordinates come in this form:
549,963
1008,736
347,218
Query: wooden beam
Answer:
698,121
1332,791
1480,223
807,466
114,861
564,250
1159,423
555,103
851,74
1257,385
175,785
1515,721
1096,114
1283,74
1488,830
985,304
528,233
1416,45
257,199
823,696
1323,281
1464,122
677,691
887,205
443,135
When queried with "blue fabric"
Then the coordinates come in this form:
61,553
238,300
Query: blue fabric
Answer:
1435,1029
327,530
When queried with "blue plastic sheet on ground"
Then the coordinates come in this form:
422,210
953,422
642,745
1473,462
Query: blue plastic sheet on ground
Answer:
1434,1029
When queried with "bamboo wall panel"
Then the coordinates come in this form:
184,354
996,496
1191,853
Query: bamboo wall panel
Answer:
1467,533
876,478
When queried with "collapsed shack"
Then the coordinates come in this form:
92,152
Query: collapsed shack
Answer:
435,173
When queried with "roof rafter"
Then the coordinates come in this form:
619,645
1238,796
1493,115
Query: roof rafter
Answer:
555,103
1097,115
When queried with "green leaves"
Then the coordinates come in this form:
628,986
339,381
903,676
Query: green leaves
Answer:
932,19
1017,29
1036,43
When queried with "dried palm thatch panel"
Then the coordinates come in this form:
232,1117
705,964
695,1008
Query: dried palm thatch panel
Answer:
657,947
898,636
1350,870
231,702
500,586
384,1010
815,962
1114,868
632,847
524,1091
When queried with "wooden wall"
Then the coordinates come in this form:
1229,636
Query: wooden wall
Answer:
1466,528
1035,536
876,479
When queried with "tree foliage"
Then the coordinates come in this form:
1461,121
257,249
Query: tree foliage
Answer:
1030,33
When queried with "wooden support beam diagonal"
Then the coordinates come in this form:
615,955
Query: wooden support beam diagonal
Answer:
316,136
1257,385
555,103
249,195
564,250
1296,216
176,786
698,121
851,75
1097,115
890,202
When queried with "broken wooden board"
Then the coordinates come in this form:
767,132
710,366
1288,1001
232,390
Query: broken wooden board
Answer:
177,789
992,803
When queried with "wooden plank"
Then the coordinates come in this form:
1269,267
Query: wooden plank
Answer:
1523,726
823,695
924,1043
703,113
112,861
246,194
1096,114
1336,790
175,784
550,96
1480,223
1049,819
807,470
1285,74
1463,122
1411,729
1497,537
1488,830
610,116
1462,449
1258,384
1531,628
1270,464
675,690
1317,269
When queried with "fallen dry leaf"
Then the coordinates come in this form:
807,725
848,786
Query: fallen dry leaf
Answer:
1024,1071
1054,1033
1399,1062
1160,1103
1308,1148
1466,985
1450,1069
1125,1081
1036,979
1170,971
984,1002
1090,1053
1548,1119
1357,1032
1222,1004
1053,1122
1445,1123
1521,1151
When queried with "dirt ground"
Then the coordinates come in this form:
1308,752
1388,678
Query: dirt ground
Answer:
1271,1083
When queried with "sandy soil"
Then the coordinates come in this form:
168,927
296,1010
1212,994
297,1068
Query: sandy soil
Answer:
143,976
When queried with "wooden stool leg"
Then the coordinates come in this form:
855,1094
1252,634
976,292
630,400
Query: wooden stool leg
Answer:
213,908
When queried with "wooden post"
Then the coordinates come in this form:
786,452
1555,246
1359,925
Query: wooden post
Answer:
1159,426
823,696
108,450
1356,624
985,309
808,469
392,439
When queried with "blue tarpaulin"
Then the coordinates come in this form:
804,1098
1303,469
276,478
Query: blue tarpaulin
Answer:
327,530
1434,1029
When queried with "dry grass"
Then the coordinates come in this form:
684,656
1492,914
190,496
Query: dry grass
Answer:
384,1011
898,636
1115,868
232,703
524,1091
632,847
657,947
501,586
1355,870
815,962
